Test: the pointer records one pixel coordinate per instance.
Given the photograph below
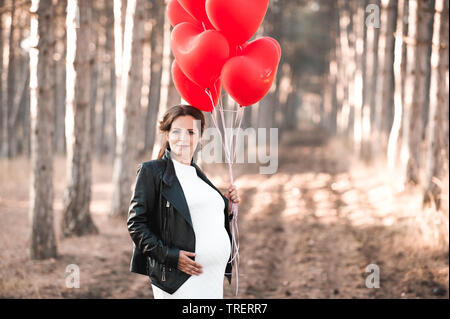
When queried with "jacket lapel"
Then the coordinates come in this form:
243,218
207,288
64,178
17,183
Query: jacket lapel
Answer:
172,190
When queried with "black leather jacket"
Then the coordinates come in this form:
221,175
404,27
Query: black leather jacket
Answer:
160,224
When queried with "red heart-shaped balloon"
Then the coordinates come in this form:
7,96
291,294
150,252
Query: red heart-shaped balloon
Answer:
200,54
192,93
249,76
196,8
177,14
237,50
277,45
238,20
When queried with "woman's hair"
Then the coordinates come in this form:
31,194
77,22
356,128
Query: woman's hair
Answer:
171,114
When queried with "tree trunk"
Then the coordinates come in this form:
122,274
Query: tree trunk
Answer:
95,89
418,41
385,85
10,85
331,79
265,114
174,97
42,242
77,196
6,102
97,99
358,27
119,13
398,67
108,134
27,125
156,44
129,107
347,67
340,69
60,75
2,104
436,160
370,82
165,84
291,107
20,103
20,140
104,66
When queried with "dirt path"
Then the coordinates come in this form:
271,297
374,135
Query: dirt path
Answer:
308,231
311,230
294,244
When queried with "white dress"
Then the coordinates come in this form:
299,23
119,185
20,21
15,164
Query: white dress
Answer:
212,244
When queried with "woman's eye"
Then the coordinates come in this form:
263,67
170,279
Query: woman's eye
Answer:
179,132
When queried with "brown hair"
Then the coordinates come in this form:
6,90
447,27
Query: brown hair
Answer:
171,114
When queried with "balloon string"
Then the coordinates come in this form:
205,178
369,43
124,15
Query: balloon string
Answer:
240,116
234,208
224,132
227,144
213,117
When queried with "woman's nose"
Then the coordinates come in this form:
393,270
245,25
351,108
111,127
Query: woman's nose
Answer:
184,136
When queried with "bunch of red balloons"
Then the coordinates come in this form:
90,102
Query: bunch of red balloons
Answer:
209,43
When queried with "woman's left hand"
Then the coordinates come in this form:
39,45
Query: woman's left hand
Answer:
233,194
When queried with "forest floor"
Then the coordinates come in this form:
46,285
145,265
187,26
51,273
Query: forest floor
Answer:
316,229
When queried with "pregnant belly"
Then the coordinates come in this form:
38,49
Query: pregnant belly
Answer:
212,248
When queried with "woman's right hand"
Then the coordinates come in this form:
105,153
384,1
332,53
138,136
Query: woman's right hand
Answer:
187,265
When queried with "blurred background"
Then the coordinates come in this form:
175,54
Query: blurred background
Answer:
358,207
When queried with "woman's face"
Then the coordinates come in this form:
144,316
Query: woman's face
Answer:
183,137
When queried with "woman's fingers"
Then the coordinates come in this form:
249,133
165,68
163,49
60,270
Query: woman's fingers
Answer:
192,270
188,253
188,265
194,265
195,271
235,198
197,268
233,195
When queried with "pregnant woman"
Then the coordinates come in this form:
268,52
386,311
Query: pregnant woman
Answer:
178,220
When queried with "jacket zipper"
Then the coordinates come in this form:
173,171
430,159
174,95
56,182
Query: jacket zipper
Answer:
166,223
163,276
